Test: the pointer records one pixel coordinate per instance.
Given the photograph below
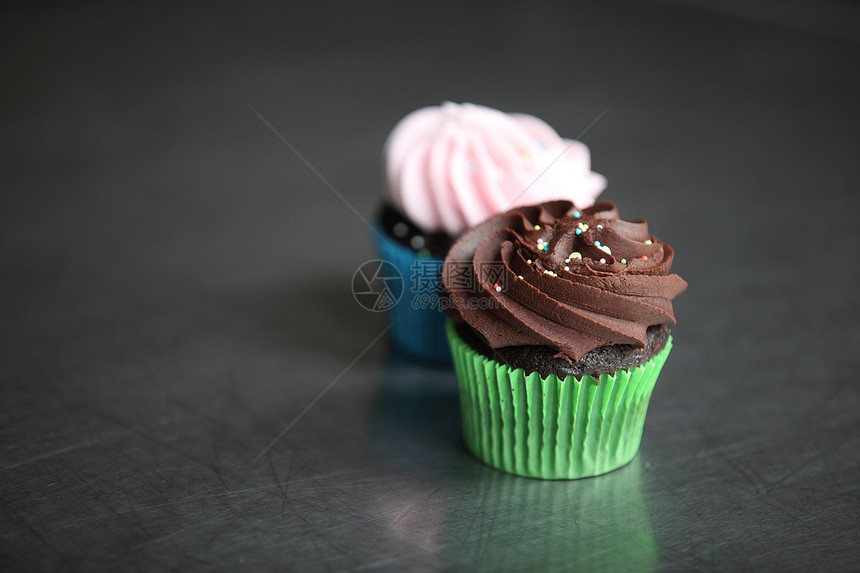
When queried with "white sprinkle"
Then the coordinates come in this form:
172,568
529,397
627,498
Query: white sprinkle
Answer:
649,242
566,268
600,226
400,229
498,289
520,277
603,261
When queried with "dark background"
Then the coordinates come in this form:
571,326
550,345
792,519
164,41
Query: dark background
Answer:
176,286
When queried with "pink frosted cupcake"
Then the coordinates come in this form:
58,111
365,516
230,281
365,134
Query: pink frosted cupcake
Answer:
447,169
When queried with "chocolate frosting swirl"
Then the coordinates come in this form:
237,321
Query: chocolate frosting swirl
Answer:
550,275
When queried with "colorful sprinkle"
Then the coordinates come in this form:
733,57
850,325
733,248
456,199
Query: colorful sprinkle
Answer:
497,287
604,248
578,231
649,242
400,229
417,242
623,261
597,244
537,227
529,261
644,258
582,226
575,255
577,214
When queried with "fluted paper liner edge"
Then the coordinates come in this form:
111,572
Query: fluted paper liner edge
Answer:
551,427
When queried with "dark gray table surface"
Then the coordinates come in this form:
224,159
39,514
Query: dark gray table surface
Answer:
187,382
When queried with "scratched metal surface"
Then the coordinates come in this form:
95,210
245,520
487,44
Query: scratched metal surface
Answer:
176,287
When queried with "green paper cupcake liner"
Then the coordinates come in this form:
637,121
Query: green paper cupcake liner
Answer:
551,427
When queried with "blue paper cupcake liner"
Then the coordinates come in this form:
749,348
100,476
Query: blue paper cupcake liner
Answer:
417,320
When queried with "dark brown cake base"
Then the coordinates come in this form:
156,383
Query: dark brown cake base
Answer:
409,235
544,360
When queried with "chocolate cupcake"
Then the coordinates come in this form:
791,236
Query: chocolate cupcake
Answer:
561,325
448,168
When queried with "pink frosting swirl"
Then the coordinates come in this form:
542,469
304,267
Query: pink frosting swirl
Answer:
449,167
